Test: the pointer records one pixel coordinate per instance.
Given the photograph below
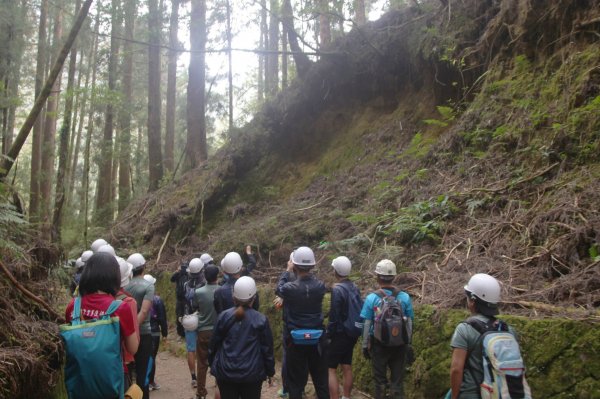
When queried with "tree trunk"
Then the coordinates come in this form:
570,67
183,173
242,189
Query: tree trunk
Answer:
64,145
324,24
125,114
155,165
36,144
85,189
272,71
360,15
196,150
302,61
230,66
171,88
13,153
104,205
49,136
263,41
284,58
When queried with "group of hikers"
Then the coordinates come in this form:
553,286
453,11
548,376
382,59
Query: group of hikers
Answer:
224,330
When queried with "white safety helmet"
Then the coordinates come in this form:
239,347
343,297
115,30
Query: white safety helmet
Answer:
126,271
149,278
385,268
304,258
484,287
107,248
79,263
342,266
206,258
190,322
244,289
97,244
86,255
232,263
196,265
137,261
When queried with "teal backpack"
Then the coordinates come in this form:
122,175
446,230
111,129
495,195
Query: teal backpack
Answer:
94,368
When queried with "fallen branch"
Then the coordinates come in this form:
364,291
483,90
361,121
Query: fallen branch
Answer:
30,295
585,313
313,206
511,185
447,258
162,246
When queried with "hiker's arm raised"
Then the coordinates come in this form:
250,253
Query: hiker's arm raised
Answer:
143,313
459,357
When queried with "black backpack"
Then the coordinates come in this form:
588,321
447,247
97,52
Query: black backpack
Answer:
180,287
352,325
391,327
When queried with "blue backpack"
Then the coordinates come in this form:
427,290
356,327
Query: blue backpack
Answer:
94,368
352,323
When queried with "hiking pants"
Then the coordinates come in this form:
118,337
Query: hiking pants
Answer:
394,358
239,390
143,364
302,360
155,345
202,343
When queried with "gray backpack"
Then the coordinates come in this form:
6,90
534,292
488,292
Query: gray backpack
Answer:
391,327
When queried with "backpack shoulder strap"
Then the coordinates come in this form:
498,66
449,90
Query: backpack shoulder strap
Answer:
481,326
76,319
113,307
380,293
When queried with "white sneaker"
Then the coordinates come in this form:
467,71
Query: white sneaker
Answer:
194,384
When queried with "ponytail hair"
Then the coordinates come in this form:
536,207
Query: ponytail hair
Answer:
240,310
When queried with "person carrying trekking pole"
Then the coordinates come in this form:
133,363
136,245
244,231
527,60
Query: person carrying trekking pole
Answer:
344,327
388,316
303,325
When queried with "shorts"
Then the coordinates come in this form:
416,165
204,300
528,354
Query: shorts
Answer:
190,341
340,350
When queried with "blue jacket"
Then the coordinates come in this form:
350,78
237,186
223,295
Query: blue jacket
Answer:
224,297
302,301
242,351
338,311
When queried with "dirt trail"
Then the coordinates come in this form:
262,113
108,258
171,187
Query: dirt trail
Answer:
173,376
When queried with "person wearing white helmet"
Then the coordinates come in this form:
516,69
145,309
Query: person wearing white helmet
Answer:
143,293
207,317
383,356
179,278
466,370
243,334
108,249
231,265
126,272
97,244
303,317
195,281
344,326
79,265
158,326
207,259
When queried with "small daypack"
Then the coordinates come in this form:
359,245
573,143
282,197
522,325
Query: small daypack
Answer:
94,368
182,278
503,366
352,325
391,327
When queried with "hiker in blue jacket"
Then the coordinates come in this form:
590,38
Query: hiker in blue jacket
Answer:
302,316
241,346
158,327
382,356
232,268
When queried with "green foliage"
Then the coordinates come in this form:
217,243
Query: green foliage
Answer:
418,222
448,115
11,223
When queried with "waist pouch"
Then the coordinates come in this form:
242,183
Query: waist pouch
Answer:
306,337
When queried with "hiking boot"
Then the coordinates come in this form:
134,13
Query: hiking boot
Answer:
154,386
282,394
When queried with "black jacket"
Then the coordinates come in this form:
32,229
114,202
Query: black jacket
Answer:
338,311
180,277
158,317
224,297
302,301
242,351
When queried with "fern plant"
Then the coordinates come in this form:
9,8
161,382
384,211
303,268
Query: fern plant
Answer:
10,222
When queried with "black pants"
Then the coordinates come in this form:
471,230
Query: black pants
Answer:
394,358
302,360
239,390
179,312
155,345
143,363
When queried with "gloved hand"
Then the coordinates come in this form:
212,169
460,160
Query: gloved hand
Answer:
366,353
